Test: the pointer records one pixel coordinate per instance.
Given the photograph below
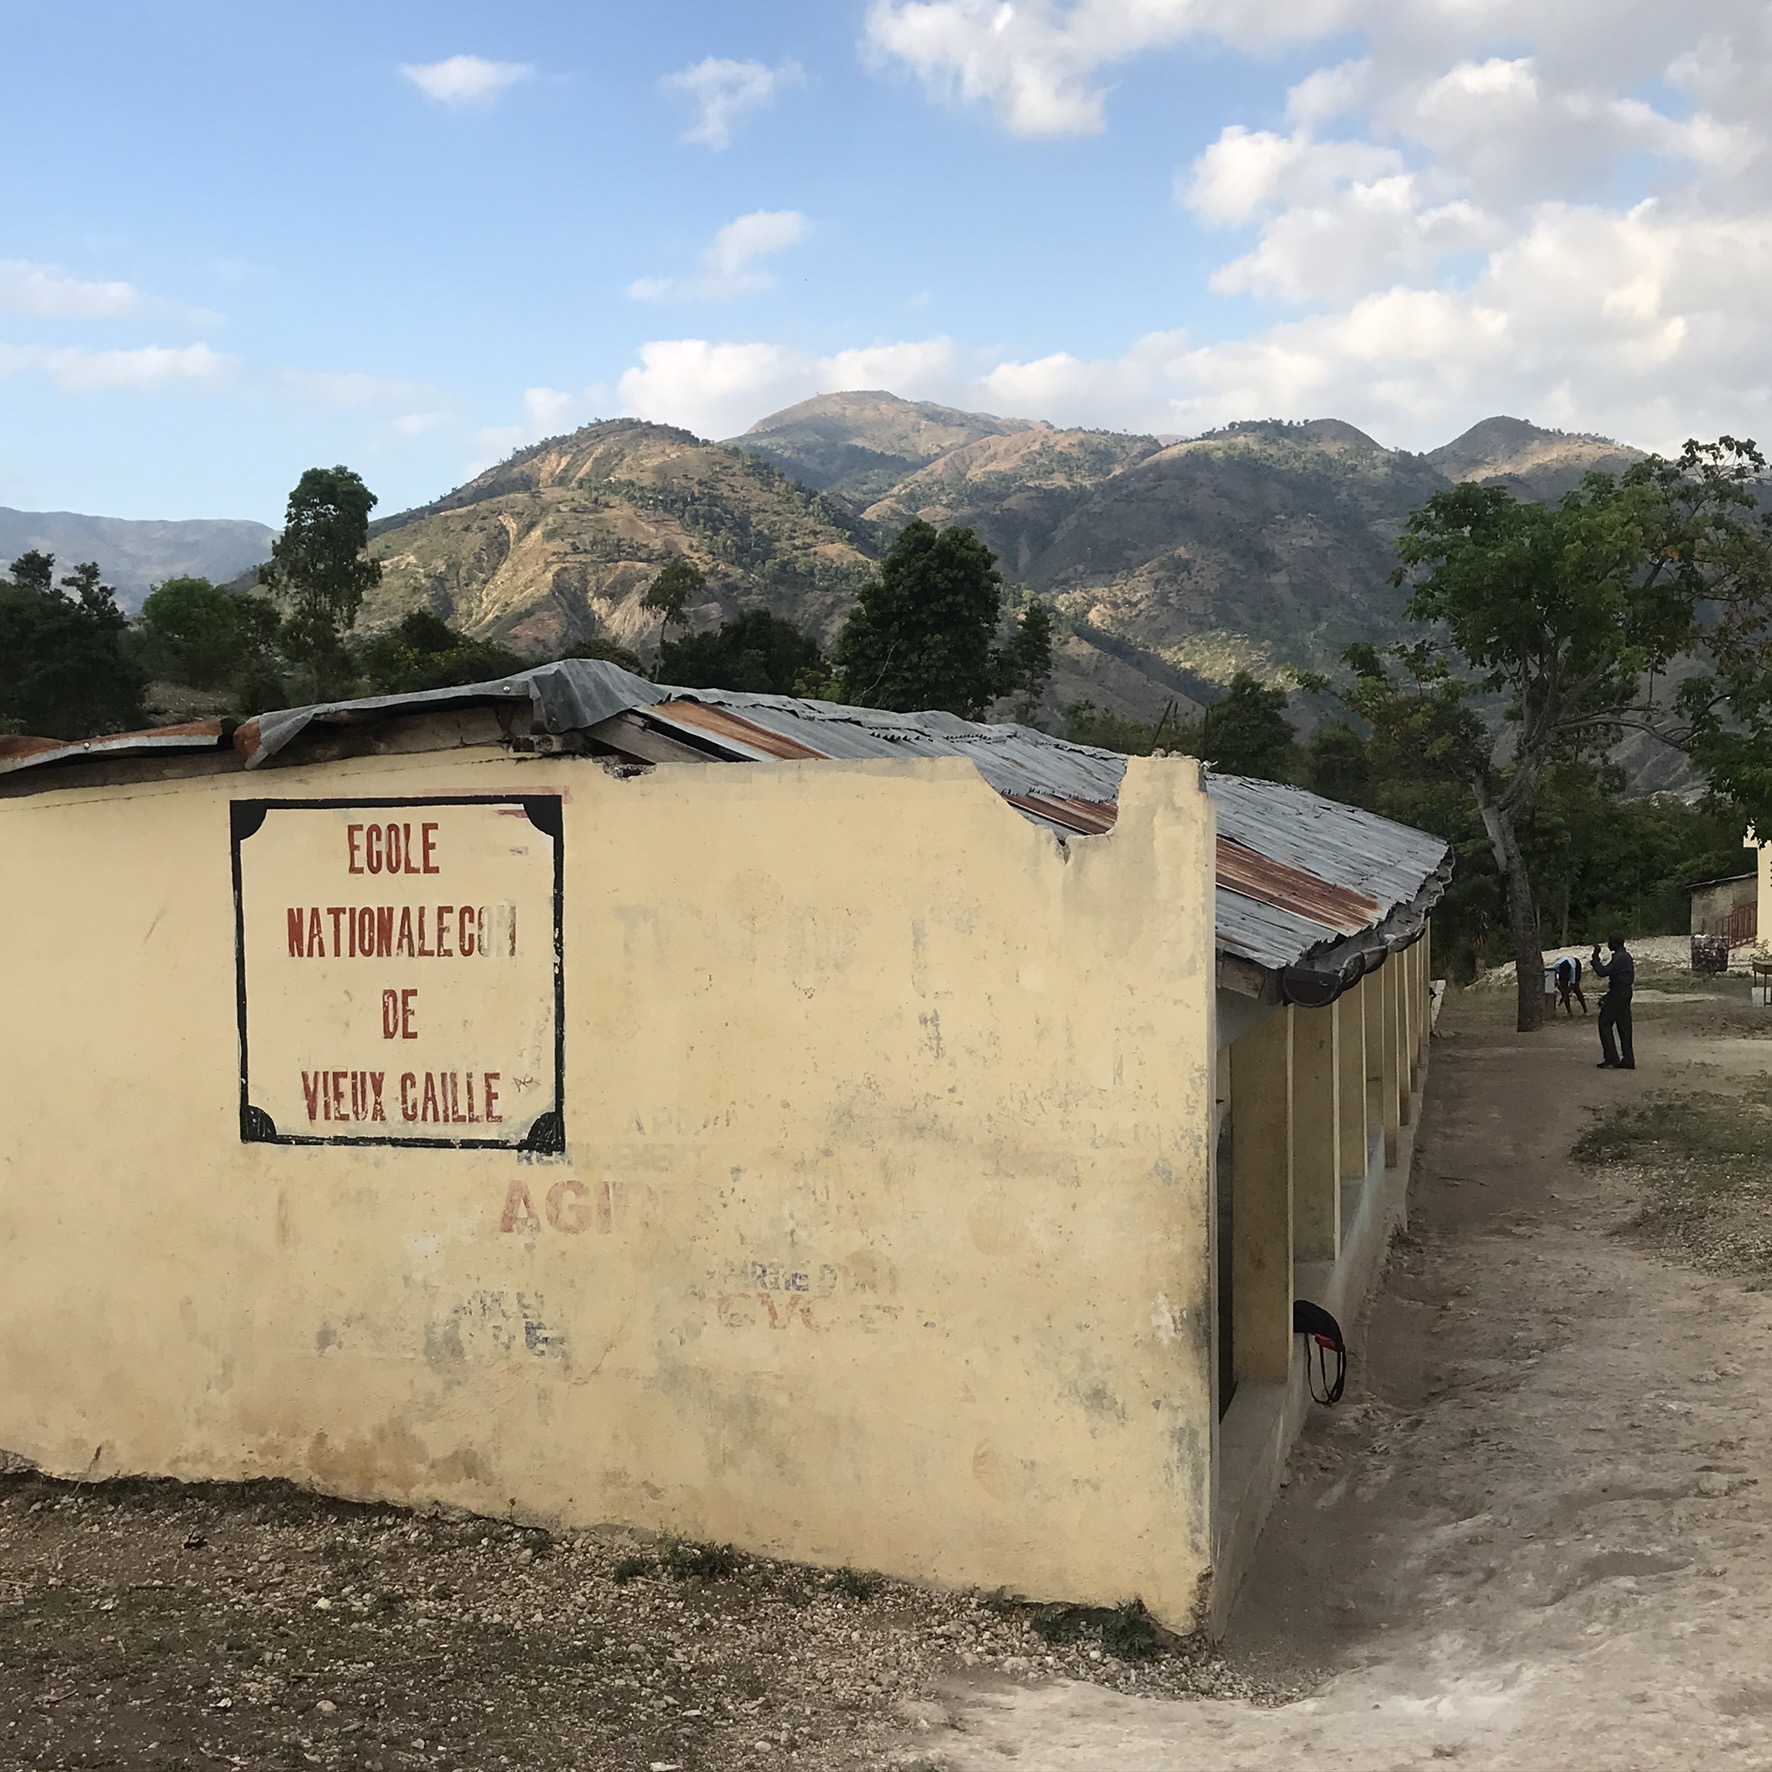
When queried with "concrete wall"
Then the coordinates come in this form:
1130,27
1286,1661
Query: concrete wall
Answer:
880,1235
1324,1109
1711,905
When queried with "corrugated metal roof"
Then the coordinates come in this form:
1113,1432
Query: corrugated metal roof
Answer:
1339,844
1297,876
1260,877
1013,759
194,735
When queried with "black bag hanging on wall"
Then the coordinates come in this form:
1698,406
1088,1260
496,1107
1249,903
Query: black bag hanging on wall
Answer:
1324,1334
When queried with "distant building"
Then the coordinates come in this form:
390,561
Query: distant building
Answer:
1728,908
899,1146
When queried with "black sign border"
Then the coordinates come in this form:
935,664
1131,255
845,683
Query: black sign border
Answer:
547,1133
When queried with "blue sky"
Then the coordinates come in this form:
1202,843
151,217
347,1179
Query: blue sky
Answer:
242,240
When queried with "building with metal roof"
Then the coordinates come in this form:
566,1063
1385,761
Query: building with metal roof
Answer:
901,1147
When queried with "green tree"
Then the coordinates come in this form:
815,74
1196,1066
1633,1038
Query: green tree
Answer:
1085,723
1550,630
1025,660
319,569
923,634
1335,763
755,651
669,595
65,666
1245,732
193,631
422,651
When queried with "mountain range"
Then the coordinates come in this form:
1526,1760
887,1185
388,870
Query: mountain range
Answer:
134,556
1170,564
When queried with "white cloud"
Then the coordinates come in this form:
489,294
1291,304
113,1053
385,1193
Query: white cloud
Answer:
727,92
1041,66
549,411
1037,64
1248,173
45,293
729,264
80,370
1644,324
465,79
716,389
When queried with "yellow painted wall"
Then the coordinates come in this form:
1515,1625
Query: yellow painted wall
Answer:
1763,868
880,1238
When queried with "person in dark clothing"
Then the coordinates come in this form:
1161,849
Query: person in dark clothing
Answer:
1567,973
1620,974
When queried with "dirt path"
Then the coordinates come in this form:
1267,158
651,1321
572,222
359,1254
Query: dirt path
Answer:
1535,1533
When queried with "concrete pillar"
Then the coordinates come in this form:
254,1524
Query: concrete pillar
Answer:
1372,993
1405,1060
1390,1092
1422,1003
1261,1205
1352,1058
1409,1019
1316,1133
1427,987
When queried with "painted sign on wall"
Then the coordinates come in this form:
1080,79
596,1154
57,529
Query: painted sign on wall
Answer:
399,971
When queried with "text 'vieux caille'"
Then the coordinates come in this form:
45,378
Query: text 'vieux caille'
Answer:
431,931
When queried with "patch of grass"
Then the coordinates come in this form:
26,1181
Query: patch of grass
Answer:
631,1569
709,1562
1129,1633
1706,1161
1727,1137
1057,1624
853,1584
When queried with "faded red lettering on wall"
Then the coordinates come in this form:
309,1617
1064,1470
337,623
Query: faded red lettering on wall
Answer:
344,1095
361,896
519,1212
393,932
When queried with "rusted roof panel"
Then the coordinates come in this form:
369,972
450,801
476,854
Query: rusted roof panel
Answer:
1340,844
725,723
20,752
1271,882
18,744
1088,818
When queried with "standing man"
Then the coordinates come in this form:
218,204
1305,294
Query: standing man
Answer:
1567,973
1620,974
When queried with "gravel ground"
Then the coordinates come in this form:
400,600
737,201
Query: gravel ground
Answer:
1654,954
157,1627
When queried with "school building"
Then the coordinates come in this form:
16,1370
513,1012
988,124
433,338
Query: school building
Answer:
899,1145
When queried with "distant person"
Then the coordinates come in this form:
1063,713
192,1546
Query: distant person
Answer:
1567,973
1620,974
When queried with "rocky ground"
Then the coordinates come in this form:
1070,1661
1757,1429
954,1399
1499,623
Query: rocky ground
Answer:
154,1627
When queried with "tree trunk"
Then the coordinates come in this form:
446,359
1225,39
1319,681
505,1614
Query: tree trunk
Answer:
1522,914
